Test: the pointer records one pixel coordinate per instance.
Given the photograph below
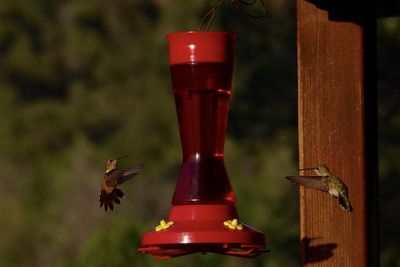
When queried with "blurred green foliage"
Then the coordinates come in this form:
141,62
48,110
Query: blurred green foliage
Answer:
82,81
389,142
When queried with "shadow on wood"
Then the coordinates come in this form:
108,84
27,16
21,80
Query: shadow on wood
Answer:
345,11
316,253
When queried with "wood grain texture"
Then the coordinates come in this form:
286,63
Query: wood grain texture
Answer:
332,110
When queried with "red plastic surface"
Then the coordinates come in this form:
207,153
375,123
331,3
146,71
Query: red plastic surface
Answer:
202,92
198,46
201,70
200,228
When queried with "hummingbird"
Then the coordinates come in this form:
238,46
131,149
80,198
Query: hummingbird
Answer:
114,176
325,181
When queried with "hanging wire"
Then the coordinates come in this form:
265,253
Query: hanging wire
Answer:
210,14
236,5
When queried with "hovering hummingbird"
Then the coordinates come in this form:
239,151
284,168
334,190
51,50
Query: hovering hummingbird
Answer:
326,182
114,176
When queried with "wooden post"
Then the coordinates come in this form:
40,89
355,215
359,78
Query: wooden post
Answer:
337,127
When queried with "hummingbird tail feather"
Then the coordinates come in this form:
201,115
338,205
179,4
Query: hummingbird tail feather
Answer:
345,204
119,193
107,199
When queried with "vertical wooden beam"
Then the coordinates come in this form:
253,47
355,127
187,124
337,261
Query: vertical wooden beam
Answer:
337,127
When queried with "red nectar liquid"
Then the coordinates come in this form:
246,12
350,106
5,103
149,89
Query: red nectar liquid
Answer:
202,92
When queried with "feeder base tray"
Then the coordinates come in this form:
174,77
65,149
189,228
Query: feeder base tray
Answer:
201,228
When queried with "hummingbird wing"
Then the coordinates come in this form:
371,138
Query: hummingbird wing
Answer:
130,173
113,177
314,182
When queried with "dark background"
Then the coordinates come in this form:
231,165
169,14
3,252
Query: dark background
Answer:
85,81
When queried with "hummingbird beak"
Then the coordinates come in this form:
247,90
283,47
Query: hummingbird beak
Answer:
308,169
125,156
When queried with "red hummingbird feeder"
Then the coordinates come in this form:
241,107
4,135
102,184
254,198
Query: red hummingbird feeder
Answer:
203,217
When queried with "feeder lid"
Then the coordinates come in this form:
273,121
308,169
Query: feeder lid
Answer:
200,46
